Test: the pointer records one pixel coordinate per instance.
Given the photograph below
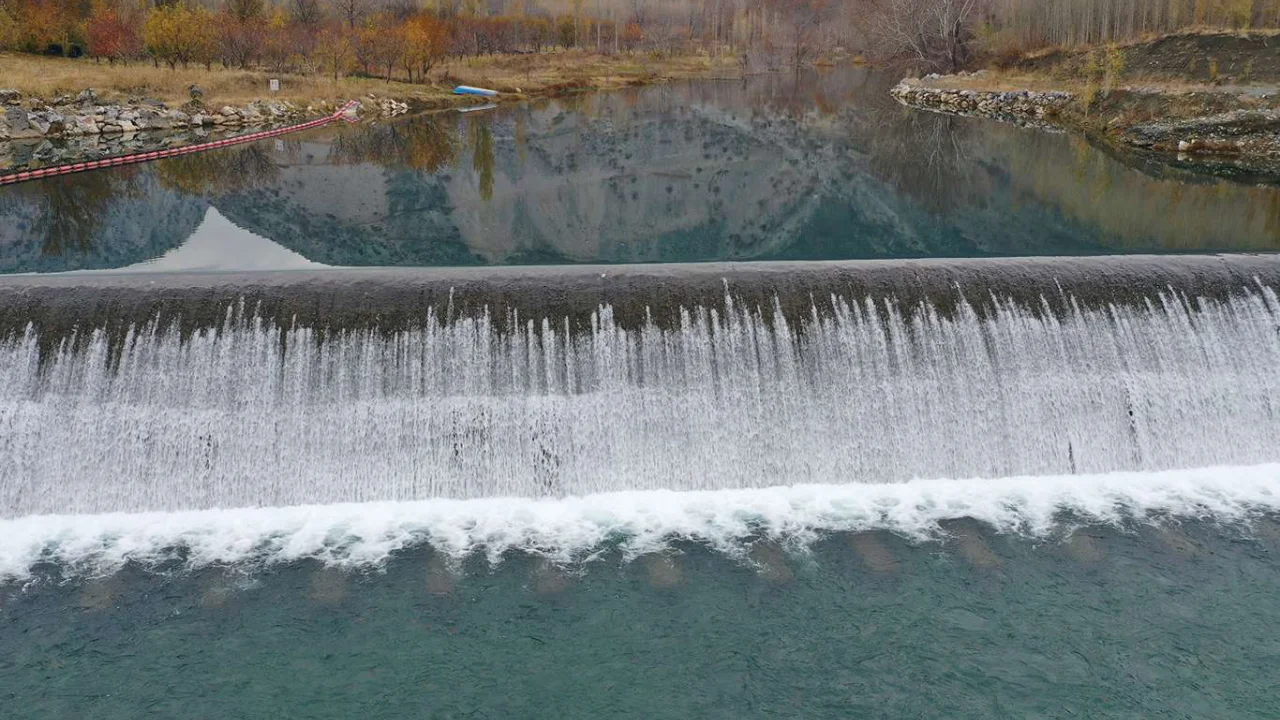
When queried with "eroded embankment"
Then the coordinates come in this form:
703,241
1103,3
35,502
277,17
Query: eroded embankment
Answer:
1130,99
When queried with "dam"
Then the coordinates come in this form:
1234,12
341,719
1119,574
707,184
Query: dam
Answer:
327,387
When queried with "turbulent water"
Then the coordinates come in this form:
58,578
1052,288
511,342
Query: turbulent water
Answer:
550,436
250,414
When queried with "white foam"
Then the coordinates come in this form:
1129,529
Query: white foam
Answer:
366,534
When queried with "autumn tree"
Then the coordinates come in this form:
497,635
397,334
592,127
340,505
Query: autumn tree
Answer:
240,41
379,44
426,42
164,35
335,51
306,13
10,35
245,10
47,25
109,36
566,31
274,42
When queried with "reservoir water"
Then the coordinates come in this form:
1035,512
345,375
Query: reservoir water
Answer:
719,399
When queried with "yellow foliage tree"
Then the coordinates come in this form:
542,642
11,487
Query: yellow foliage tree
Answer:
426,42
335,51
9,35
181,34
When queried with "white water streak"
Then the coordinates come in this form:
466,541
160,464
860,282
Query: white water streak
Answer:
235,418
569,529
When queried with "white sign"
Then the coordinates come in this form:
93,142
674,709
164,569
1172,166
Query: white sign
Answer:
275,85
279,146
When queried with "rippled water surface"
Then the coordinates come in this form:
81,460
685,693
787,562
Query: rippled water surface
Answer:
1173,622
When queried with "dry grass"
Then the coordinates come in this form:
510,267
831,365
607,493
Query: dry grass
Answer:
546,73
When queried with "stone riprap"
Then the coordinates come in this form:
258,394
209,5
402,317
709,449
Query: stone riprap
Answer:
67,116
1247,132
1023,107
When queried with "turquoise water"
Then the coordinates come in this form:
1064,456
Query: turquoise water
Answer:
821,166
911,487
1176,621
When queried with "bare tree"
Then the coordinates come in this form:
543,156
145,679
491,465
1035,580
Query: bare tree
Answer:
935,33
351,11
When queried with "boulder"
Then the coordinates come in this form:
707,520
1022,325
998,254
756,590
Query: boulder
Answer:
39,123
17,120
86,125
9,97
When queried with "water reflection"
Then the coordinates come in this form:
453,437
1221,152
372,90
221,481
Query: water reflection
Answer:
818,166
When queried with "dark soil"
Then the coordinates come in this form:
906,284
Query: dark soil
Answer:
1220,58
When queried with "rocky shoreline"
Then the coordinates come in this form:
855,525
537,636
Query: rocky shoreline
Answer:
1021,107
37,133
1247,134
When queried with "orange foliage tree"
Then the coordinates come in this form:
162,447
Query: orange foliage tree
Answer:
111,32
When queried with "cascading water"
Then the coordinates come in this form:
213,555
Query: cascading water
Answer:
882,404
249,414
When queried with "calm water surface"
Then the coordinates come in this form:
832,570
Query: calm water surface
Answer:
820,166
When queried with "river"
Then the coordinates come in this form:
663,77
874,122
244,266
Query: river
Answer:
712,399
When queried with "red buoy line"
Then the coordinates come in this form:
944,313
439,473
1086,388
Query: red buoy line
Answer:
171,152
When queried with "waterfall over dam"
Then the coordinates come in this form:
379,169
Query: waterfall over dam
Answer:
256,390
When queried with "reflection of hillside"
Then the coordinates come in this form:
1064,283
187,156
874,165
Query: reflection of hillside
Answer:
92,220
759,170
218,245
821,167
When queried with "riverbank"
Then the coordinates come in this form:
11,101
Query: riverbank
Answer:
55,110
46,79
1143,98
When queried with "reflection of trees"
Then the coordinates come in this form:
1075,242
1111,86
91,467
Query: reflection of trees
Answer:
219,171
925,156
482,155
72,208
426,144
1133,211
